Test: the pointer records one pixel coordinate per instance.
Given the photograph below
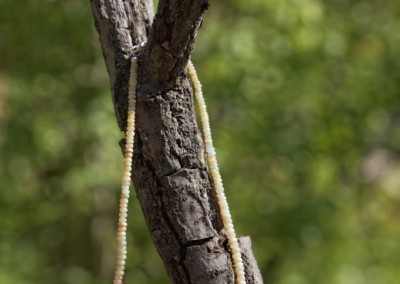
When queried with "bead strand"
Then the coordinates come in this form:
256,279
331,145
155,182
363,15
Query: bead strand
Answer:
216,176
126,176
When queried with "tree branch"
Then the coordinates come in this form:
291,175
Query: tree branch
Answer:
171,41
170,174
121,25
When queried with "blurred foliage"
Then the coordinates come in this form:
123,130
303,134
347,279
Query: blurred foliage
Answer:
304,98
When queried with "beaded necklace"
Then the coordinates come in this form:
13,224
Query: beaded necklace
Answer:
212,161
216,176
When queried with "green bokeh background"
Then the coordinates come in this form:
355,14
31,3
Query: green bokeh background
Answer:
304,100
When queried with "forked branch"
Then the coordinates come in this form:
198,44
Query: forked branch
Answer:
170,175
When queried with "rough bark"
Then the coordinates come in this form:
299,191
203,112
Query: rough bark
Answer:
170,175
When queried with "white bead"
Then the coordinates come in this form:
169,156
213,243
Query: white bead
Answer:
234,243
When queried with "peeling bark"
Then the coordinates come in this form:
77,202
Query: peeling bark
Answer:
170,174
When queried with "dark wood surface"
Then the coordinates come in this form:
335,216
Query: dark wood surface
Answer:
169,173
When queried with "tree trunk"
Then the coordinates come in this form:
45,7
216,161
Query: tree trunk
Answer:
170,175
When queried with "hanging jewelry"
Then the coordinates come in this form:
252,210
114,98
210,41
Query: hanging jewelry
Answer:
216,176
126,176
